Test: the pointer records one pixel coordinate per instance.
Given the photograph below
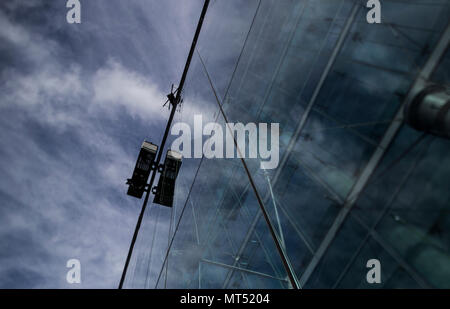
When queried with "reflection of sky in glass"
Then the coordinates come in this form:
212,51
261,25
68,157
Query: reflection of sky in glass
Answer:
335,84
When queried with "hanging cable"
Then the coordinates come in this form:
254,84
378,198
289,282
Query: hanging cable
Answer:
178,223
242,51
174,101
288,267
201,161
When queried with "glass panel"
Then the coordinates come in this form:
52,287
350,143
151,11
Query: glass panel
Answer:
334,84
355,277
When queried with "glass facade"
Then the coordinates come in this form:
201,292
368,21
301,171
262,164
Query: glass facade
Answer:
353,183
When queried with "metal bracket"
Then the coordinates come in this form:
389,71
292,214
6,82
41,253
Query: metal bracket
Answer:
173,98
155,189
153,167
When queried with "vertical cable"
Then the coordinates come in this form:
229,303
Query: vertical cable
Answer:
174,104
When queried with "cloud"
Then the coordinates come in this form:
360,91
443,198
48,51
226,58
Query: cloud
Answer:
115,86
30,45
75,104
64,160
62,172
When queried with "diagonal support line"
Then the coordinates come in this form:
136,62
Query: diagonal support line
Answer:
242,269
284,258
388,137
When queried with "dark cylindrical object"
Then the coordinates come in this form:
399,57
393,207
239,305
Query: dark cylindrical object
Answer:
429,111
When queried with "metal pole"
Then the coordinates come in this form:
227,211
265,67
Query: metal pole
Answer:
163,143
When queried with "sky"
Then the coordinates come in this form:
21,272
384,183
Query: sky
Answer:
76,102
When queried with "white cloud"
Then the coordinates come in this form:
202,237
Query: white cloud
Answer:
64,209
31,45
61,179
115,86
